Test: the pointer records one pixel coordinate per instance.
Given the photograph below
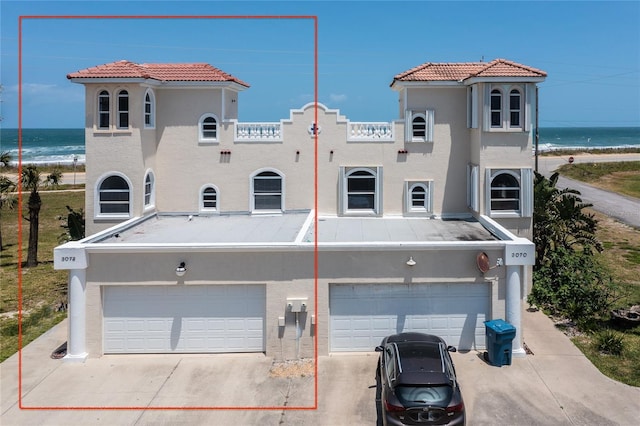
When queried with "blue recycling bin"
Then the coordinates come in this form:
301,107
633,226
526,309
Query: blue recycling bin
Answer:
499,334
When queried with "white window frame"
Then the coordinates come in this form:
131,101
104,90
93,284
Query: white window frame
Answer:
429,119
496,92
345,174
252,200
103,93
149,195
98,191
201,131
202,207
427,206
519,110
524,110
151,114
122,93
524,177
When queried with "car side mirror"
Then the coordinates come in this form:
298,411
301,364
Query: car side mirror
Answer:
452,349
379,349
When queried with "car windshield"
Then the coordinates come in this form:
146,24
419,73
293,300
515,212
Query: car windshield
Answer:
411,396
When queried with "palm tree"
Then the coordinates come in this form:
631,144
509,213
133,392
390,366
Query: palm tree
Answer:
32,182
5,159
558,219
7,199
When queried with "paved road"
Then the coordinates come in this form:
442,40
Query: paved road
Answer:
620,207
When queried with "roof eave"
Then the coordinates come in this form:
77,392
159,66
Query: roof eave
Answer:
87,80
164,83
513,79
206,84
399,85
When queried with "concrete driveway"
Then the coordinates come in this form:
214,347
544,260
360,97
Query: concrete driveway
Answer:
555,385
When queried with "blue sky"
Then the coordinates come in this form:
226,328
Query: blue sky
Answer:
590,50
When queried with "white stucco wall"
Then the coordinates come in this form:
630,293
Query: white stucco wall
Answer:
286,274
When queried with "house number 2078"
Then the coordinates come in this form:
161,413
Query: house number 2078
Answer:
68,258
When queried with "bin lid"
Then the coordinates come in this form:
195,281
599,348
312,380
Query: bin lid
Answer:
500,326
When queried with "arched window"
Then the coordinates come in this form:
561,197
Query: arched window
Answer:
103,110
419,126
209,198
361,190
515,108
114,196
419,197
149,190
505,192
149,109
123,109
208,128
496,108
267,191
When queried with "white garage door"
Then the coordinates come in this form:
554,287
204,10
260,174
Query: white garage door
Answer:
362,315
199,318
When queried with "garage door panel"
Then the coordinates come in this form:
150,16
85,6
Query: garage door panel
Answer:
163,319
360,316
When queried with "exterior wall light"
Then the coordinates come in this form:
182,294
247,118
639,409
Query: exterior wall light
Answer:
411,262
181,269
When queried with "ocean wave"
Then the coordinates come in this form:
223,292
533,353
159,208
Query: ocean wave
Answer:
549,147
63,160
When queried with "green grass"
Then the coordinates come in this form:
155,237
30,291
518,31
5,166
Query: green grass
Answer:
624,367
622,177
43,288
622,257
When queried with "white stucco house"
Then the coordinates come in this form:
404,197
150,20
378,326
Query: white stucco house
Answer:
311,235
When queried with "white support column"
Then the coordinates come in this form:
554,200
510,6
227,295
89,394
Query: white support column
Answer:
77,339
514,307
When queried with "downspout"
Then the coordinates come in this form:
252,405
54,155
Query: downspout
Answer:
536,133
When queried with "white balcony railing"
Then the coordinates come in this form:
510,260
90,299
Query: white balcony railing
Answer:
370,131
258,132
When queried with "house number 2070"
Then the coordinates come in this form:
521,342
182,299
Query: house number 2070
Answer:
519,254
68,258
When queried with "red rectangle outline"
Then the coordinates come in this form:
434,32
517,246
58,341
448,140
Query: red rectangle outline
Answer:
315,204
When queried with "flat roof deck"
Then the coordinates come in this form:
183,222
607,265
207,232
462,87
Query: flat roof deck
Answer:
293,228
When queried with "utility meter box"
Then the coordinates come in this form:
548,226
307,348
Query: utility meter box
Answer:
297,304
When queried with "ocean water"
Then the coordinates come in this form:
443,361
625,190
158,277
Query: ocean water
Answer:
553,138
44,146
61,146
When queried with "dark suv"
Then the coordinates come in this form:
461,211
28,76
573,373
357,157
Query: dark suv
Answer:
417,381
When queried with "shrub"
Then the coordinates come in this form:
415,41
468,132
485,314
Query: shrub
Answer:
609,342
572,284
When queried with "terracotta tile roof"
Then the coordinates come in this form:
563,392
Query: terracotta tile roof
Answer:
160,72
462,70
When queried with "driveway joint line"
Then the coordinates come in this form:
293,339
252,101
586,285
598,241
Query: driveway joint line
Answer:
175,367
